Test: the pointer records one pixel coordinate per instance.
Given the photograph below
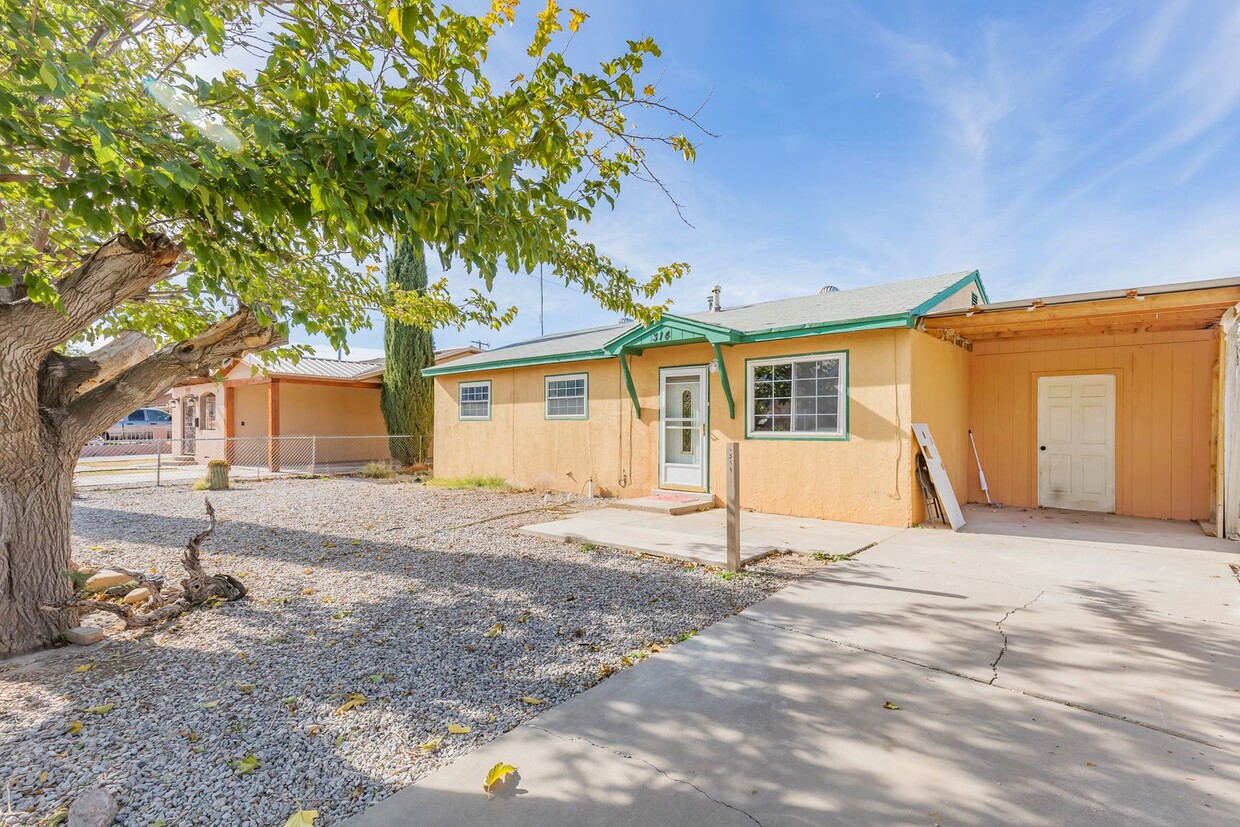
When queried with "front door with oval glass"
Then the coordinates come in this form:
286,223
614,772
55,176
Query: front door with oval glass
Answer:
683,430
1076,442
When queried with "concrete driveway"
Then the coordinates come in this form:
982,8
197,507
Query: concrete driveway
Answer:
1038,682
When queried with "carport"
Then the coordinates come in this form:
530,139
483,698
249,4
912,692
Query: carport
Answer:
1119,401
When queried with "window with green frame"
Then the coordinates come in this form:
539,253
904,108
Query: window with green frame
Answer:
798,396
565,397
475,400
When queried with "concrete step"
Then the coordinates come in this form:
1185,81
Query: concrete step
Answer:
668,502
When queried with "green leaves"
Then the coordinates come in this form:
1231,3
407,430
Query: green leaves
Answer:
332,157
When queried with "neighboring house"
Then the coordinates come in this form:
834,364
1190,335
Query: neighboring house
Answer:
252,403
1125,389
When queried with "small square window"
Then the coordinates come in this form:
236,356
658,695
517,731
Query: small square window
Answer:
566,397
475,400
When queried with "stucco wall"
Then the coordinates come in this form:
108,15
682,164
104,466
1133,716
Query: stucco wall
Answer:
329,410
249,414
865,478
1164,419
940,398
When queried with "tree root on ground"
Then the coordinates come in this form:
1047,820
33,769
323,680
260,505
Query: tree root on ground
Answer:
164,603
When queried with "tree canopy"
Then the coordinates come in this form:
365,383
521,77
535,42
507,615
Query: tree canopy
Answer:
146,192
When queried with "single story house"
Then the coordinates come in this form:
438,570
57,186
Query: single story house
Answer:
238,413
1114,401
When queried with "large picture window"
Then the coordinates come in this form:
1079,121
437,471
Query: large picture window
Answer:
798,396
566,396
475,400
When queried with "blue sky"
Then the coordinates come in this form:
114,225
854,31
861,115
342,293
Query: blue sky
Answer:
1055,147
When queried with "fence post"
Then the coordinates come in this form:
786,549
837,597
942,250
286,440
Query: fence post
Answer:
734,506
314,452
159,453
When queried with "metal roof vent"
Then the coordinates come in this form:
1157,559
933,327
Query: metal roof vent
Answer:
712,301
830,288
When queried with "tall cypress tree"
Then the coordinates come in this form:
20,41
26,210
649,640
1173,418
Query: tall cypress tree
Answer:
408,396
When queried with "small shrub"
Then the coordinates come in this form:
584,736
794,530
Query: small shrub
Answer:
824,557
588,547
201,485
489,483
377,471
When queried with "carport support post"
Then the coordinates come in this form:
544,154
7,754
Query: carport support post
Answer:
734,506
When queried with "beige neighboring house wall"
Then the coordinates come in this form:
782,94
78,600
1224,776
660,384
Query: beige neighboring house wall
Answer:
323,398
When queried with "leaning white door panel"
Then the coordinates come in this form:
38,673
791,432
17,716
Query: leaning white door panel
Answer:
1076,442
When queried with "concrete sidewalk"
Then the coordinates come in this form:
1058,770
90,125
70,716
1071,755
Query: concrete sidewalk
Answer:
701,537
1037,683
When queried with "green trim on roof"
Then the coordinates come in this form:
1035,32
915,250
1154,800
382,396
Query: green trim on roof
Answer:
669,330
681,330
453,367
923,308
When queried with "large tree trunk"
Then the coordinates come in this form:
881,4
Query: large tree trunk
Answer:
51,405
36,486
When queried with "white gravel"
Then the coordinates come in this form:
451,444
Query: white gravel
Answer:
383,589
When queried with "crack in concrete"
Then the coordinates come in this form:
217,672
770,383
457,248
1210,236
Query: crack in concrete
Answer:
659,770
994,664
1026,692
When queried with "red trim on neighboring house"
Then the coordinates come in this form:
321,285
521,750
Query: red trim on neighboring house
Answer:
273,424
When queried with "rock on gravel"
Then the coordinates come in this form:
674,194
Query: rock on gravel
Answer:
379,614
84,635
94,808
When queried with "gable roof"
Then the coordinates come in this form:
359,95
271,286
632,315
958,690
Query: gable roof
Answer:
862,308
317,367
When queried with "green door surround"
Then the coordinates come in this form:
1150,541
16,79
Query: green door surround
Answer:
673,330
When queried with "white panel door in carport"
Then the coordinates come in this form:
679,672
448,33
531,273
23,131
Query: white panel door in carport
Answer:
1076,442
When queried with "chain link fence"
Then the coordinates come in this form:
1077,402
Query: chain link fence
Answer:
140,462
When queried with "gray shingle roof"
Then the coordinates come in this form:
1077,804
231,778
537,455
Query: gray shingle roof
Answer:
840,307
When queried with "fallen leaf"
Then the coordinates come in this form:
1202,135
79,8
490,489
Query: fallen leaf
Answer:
307,591
102,709
307,571
532,701
85,667
459,729
890,705
247,688
1090,764
302,818
246,765
351,701
74,728
497,774
495,630
432,744
209,705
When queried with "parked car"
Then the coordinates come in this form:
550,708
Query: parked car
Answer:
144,423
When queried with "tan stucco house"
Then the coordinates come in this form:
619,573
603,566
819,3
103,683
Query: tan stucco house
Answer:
237,413
1112,401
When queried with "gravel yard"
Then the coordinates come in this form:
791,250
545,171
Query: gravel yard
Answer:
426,603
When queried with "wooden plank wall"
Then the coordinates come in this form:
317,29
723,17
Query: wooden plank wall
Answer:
1164,409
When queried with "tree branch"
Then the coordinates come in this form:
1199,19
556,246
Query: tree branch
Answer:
121,269
86,416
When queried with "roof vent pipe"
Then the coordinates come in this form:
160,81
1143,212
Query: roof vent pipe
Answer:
713,301
830,288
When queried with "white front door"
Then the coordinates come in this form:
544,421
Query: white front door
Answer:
1076,442
683,437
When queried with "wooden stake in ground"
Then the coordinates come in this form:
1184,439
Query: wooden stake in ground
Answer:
196,588
734,506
